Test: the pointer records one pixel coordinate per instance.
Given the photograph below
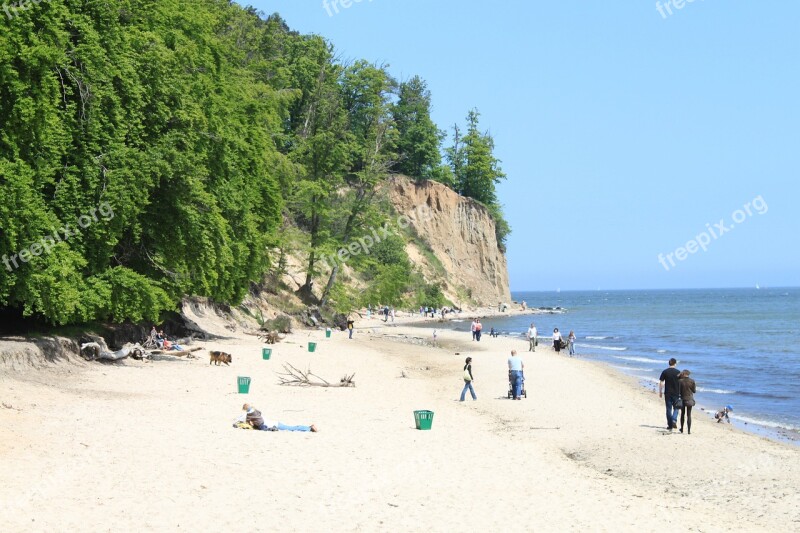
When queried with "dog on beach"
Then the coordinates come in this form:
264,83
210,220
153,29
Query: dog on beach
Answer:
220,357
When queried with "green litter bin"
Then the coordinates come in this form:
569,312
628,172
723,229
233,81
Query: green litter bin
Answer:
244,385
312,346
423,419
266,353
328,333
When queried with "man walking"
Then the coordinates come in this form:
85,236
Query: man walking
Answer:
532,334
669,389
515,367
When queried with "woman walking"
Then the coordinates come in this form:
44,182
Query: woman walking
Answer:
557,340
571,342
468,380
687,388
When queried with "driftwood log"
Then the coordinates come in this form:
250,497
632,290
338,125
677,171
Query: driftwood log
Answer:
270,337
295,377
176,353
95,351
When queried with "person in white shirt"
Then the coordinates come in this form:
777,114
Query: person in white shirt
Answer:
515,367
532,334
557,340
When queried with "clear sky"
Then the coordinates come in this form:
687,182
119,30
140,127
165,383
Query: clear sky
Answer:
623,131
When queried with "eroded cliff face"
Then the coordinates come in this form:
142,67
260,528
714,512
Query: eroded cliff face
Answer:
461,234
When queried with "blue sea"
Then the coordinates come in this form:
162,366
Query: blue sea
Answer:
741,345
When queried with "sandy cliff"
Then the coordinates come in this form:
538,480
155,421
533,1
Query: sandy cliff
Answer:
461,234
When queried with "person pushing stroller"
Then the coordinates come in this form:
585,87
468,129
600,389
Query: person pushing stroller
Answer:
515,368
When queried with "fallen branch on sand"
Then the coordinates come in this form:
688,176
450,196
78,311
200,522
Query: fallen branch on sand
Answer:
94,351
176,353
295,377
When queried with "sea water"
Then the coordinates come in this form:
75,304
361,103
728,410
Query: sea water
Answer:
741,345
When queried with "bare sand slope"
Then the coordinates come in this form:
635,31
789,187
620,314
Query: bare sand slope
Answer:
149,447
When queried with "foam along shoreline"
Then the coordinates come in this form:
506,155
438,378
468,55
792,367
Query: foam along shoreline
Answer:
585,450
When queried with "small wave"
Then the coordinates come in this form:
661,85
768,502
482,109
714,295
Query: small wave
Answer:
595,338
598,347
715,391
760,422
638,359
649,380
630,368
661,351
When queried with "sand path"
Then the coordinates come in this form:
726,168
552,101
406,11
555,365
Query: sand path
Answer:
149,446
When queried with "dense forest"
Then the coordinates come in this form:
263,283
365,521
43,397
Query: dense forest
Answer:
151,150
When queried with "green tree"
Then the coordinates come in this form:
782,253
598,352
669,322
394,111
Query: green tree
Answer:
419,137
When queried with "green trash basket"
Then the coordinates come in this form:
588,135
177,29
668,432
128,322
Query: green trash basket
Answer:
328,333
266,353
312,346
244,385
423,419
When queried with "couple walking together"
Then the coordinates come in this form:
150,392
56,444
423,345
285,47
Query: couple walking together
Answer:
677,389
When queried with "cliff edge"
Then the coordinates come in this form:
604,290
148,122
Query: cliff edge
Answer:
460,234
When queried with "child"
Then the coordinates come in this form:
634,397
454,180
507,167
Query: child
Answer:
722,414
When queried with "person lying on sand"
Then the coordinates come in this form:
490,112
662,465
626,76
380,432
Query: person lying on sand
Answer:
253,417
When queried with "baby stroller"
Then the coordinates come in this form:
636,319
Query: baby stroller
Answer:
523,394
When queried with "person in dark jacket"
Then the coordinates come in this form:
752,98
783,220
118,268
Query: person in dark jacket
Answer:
468,380
688,388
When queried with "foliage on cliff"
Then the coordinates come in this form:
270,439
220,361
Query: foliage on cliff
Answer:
150,150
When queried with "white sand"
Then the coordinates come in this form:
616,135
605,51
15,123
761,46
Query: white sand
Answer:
150,447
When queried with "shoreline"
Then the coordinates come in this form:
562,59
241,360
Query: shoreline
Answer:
588,450
761,428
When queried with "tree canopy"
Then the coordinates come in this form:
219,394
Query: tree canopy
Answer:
152,150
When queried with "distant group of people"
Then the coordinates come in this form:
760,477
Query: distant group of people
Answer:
558,341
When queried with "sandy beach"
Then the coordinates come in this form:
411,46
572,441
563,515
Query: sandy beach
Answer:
149,446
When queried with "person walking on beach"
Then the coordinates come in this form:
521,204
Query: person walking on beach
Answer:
478,330
350,327
557,340
468,379
474,328
687,390
515,368
532,334
669,389
571,343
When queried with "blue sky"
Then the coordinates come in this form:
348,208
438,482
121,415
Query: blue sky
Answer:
625,134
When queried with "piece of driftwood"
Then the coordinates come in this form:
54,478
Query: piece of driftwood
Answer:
295,377
95,351
270,337
176,353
